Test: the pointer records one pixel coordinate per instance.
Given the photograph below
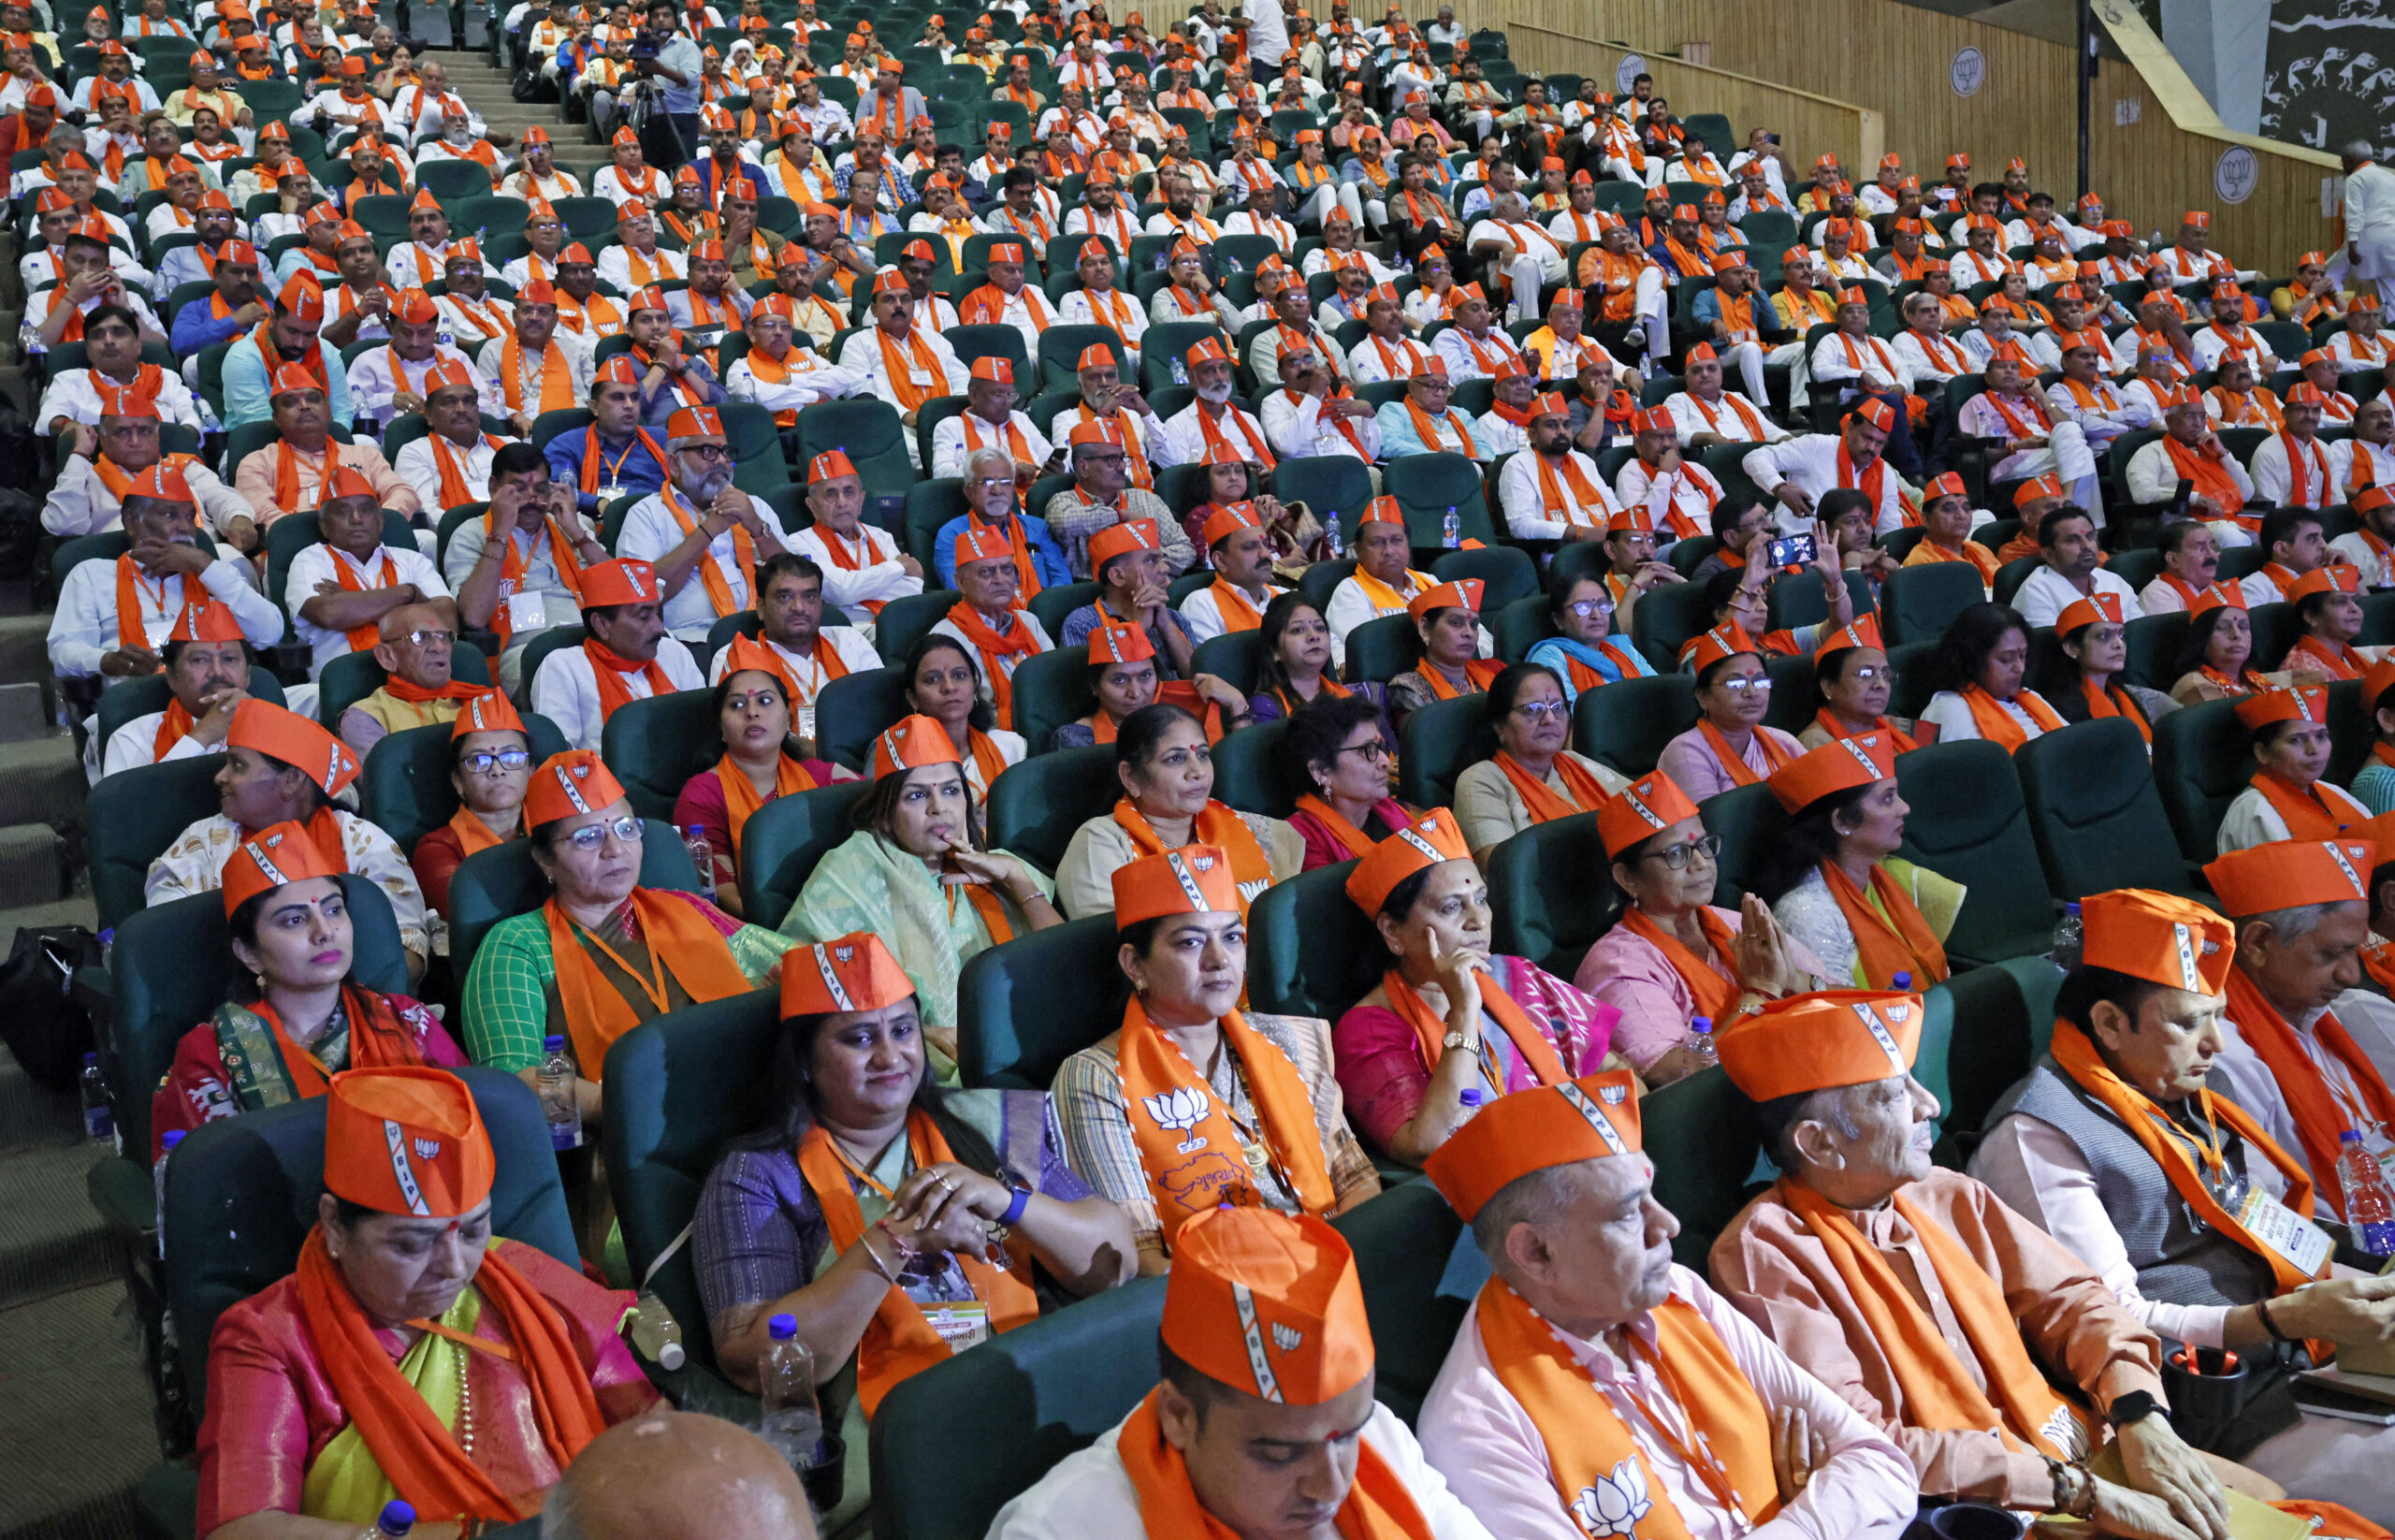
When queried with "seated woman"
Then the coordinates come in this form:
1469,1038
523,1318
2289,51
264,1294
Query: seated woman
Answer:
1295,535
1672,960
1446,1017
2213,663
1122,674
1977,669
603,954
1834,881
2374,785
2095,641
2286,799
1341,747
1583,652
752,712
914,874
1741,597
491,764
1254,1096
294,1017
2329,608
1301,659
1729,747
1946,530
870,1197
1167,772
1852,675
349,1383
1447,618
944,683
1524,773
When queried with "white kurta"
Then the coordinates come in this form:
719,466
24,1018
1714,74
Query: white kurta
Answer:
389,568
650,532
194,862
566,691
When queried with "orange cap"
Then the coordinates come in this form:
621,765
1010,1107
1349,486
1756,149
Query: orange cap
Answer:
1140,534
206,621
911,743
2037,487
2376,683
1095,355
828,466
1810,1042
2219,596
1722,642
2175,942
851,972
2309,704
488,712
303,298
1587,1119
1110,643
296,741
1424,843
1464,592
993,368
1643,808
2087,611
2290,874
622,581
407,1140
2344,578
1222,523
1193,879
570,785
278,853
694,422
1834,767
1862,633
1268,1303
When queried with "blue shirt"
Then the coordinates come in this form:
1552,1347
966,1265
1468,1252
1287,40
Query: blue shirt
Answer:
196,327
246,400
681,55
638,471
1047,558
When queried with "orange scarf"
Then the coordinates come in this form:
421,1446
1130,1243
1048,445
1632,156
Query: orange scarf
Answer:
1585,496
611,670
1998,725
2336,660
740,798
287,473
2205,471
2018,1405
1215,824
897,368
376,1040
1587,1441
1775,753
421,1458
1537,1054
1479,673
2116,702
1746,417
592,453
1377,1506
1828,722
744,556
455,490
1868,482
2317,811
1357,842
130,589
899,1341
1259,451
1425,429
1157,1075
557,379
681,941
174,725
474,834
1016,642
362,638
1901,942
517,562
1715,995
1582,791
1929,551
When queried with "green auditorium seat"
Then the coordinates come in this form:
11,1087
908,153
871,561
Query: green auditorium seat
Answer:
1035,807
904,621
1310,952
1437,744
1626,724
1326,484
1051,606
288,536
404,790
756,448
129,820
2153,644
2096,813
2203,758
491,885
1702,1136
655,746
1519,627
1380,650
1909,663
1918,603
1430,489
2275,630
1506,571
1248,775
127,698
782,842
2009,577
1024,1008
1403,1240
2002,1019
1236,656
1035,1394
1969,823
1052,689
537,650
853,709
2352,731
1747,820
930,505
1803,603
1665,618
354,676
873,435
1552,892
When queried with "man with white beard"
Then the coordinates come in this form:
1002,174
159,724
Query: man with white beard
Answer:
704,536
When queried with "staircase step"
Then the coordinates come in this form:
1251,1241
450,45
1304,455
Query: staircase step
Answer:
76,1420
41,781
23,713
51,1239
32,863
24,651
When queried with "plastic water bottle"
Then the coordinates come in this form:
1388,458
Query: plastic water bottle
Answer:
98,1121
701,856
2068,937
397,1520
158,1181
558,1099
2370,1208
1700,1039
1331,535
656,1334
1179,372
1474,1097
793,1423
1451,530
1903,982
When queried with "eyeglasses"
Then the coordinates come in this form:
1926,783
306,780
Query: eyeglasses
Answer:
425,638
1376,749
587,838
707,451
1677,856
480,761
1745,682
1872,673
1536,709
1586,608
992,481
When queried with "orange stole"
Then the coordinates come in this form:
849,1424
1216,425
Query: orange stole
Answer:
680,941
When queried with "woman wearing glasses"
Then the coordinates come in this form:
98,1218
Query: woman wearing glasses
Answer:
1524,775
1583,653
1340,748
1729,747
1672,959
603,954
1835,883
490,763
1852,674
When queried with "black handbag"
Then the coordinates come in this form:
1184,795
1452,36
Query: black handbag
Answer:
39,1019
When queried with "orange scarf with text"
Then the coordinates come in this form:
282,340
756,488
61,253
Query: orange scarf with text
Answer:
2210,481
557,379
1998,725
517,562
1584,494
1215,824
2320,1113
1899,941
362,638
744,556
681,940
996,647
2317,811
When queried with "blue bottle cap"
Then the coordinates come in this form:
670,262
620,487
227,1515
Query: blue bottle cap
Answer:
2071,907
398,1517
173,1137
91,1061
553,1043
1700,1024
1474,1097
2348,1137
1904,981
782,1327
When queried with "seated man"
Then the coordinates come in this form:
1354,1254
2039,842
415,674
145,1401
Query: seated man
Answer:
338,590
907,364
2296,540
992,420
780,377
1102,496
700,526
636,262
2028,440
122,445
1474,347
112,355
1425,422
536,368
290,474
1240,554
990,503
387,382
1552,492
710,306
281,768
1264,1346
1382,583
415,644
517,570
2190,450
1678,494
989,616
864,569
450,466
628,657
1130,569
112,615
614,457
289,337
2066,546
1107,398
1707,414
206,664
790,615
58,314
233,308
2291,468
1828,1263
1545,1417
472,316
1799,469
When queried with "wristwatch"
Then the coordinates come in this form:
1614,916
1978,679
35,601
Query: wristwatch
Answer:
2134,1407
1455,1039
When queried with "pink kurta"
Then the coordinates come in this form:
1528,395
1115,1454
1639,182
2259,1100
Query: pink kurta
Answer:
1627,971
272,1408
1690,759
1769,1264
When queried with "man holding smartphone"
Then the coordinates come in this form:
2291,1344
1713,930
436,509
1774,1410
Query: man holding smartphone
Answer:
669,58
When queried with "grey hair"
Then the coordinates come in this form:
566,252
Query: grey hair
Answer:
1536,1199
2361,150
1781,1116
988,453
1504,201
2291,924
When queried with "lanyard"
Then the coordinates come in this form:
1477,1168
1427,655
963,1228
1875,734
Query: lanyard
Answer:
1699,1459
652,985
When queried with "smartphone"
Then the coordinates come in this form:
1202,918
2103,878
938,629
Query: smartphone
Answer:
2179,497
1792,551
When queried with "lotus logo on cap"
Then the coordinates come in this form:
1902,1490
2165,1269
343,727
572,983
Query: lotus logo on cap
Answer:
1614,1095
273,873
2337,852
1597,1119
1288,1339
426,1149
566,778
2187,976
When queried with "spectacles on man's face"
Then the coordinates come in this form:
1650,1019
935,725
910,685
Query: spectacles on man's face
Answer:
587,838
1677,856
480,761
707,451
427,638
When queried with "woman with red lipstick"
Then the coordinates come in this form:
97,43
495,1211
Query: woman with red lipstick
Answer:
295,1018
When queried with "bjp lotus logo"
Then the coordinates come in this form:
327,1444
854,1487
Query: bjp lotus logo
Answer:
1181,1109
1615,1504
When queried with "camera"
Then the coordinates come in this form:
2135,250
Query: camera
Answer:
647,46
1792,551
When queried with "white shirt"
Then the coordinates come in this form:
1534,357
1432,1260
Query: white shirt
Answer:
73,395
420,467
2376,571
877,577
862,354
1350,606
2273,482
1373,360
566,691
134,743
378,375
1124,316
1952,715
1810,461
1204,612
1185,440
616,267
1456,346
1527,515
1830,363
390,568
2154,479
1297,428
84,626
950,443
2344,452
2047,593
650,532
811,378
808,675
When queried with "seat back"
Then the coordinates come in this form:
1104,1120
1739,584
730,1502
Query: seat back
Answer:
242,1197
1051,605
543,643
2002,1020
1435,485
405,789
1626,724
1437,744
1036,805
2096,812
854,708
1052,689
129,820
904,621
2201,761
1380,650
2153,643
1918,603
1024,1008
1248,772
1747,819
782,842
1702,1136
873,435
1665,618
1969,823
1326,484
1552,892
1310,952
491,885
1402,1240
1235,657
1506,573
655,746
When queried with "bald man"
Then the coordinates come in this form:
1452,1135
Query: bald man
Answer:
678,1475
